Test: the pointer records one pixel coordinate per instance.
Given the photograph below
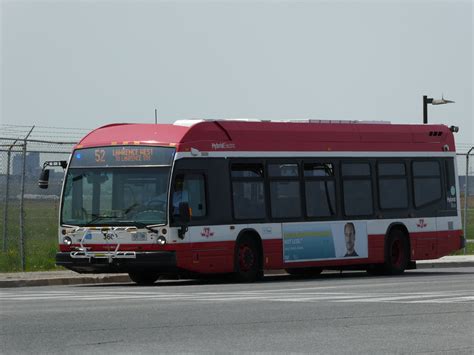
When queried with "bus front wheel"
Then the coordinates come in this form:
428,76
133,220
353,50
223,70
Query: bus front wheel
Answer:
247,260
144,278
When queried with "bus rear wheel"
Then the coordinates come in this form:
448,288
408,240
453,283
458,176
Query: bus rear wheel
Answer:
144,278
247,260
397,254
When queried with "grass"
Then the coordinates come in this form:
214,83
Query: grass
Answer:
469,227
469,250
41,241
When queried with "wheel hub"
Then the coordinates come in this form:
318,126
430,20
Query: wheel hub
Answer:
396,253
246,258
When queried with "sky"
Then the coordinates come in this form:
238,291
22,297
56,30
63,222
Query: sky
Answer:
84,64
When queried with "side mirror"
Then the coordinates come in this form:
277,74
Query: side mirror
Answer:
184,218
44,179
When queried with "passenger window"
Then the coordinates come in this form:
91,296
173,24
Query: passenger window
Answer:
285,197
318,169
283,170
248,193
320,189
284,190
391,169
247,171
357,189
393,185
426,182
355,169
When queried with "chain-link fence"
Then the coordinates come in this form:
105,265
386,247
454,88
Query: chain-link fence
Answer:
28,214
466,184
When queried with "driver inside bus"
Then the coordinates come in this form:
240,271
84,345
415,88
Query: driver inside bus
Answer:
179,194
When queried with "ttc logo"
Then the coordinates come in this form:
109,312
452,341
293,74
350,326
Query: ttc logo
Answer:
421,223
206,232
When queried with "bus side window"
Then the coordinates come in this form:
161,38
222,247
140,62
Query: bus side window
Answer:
285,196
190,188
248,191
320,189
426,182
393,185
357,189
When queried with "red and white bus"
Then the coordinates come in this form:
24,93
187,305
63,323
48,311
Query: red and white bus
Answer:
244,196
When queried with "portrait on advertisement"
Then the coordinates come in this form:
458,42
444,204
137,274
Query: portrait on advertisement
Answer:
351,240
350,237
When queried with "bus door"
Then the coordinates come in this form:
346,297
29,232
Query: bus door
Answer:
188,187
207,243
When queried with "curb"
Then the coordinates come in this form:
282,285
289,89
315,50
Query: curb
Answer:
449,264
62,281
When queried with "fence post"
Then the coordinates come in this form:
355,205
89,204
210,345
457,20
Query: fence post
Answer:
22,204
22,217
466,196
7,197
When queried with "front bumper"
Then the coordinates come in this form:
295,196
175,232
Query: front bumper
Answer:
157,261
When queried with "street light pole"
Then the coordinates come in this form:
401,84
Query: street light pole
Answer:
426,101
429,100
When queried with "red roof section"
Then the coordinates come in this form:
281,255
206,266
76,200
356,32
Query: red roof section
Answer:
228,135
153,134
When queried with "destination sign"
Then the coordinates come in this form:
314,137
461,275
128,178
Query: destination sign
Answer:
122,156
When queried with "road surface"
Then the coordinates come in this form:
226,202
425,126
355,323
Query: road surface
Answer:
423,311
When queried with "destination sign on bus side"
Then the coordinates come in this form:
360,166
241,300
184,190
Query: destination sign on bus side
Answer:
122,156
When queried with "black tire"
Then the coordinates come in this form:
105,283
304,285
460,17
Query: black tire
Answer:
248,261
397,253
144,278
305,271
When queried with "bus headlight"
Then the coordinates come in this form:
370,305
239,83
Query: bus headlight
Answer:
67,240
161,240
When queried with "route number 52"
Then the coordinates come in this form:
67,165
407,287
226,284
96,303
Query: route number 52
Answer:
100,155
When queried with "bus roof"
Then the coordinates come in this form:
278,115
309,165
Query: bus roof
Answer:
254,135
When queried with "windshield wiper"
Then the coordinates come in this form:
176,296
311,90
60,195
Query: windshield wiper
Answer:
150,227
99,217
128,209
132,222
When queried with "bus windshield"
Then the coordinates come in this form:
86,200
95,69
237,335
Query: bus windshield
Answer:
115,196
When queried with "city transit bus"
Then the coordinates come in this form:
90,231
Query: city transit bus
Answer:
243,196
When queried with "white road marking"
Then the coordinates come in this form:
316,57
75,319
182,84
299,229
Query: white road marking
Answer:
289,295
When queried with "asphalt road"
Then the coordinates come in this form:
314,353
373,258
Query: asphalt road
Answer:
423,311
